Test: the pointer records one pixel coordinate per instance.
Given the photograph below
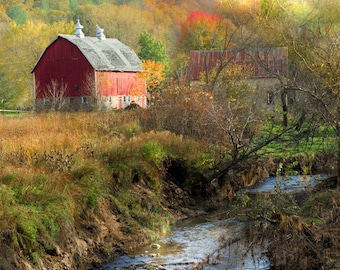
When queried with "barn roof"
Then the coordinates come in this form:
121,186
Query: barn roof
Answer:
104,54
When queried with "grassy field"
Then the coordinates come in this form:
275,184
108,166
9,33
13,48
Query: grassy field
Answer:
299,143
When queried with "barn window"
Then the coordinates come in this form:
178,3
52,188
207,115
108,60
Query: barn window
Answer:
84,100
46,101
102,99
270,97
75,87
110,99
124,99
71,100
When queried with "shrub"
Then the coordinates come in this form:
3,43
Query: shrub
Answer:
153,152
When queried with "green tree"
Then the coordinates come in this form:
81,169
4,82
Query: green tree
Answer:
151,49
17,13
73,4
44,5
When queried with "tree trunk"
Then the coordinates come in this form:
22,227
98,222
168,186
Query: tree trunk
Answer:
338,154
284,107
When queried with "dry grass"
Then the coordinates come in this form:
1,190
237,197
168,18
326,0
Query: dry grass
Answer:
310,240
56,167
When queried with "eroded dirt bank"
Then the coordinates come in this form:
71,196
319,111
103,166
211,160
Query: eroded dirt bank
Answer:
104,233
94,239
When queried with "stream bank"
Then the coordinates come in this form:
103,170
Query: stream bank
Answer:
102,235
213,242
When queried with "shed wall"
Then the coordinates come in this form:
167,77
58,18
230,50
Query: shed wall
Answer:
257,61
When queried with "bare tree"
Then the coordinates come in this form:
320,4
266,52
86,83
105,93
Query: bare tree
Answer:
90,91
322,67
54,95
314,44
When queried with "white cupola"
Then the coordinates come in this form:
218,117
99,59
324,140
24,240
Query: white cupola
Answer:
79,32
100,33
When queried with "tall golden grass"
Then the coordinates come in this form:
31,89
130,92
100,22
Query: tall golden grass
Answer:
57,166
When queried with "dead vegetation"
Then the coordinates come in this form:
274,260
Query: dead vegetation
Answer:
310,240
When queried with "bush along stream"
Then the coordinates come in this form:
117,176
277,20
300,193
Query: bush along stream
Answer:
218,241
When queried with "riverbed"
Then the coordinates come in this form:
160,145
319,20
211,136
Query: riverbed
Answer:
216,244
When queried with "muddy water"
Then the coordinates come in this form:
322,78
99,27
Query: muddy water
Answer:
219,244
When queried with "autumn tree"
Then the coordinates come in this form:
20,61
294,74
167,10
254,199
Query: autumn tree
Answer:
8,3
321,66
21,47
207,31
312,35
202,31
239,12
4,19
265,25
124,23
154,77
234,114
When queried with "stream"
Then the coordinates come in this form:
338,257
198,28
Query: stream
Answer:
218,244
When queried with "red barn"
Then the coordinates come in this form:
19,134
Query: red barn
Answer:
87,73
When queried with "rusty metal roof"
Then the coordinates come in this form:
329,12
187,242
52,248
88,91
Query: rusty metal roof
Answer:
262,62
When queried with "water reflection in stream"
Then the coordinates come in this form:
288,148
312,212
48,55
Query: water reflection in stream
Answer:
195,240
290,184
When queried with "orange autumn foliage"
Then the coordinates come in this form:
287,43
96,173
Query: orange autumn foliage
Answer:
203,30
154,75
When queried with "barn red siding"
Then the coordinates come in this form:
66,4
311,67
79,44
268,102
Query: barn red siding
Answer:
275,59
63,62
119,84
